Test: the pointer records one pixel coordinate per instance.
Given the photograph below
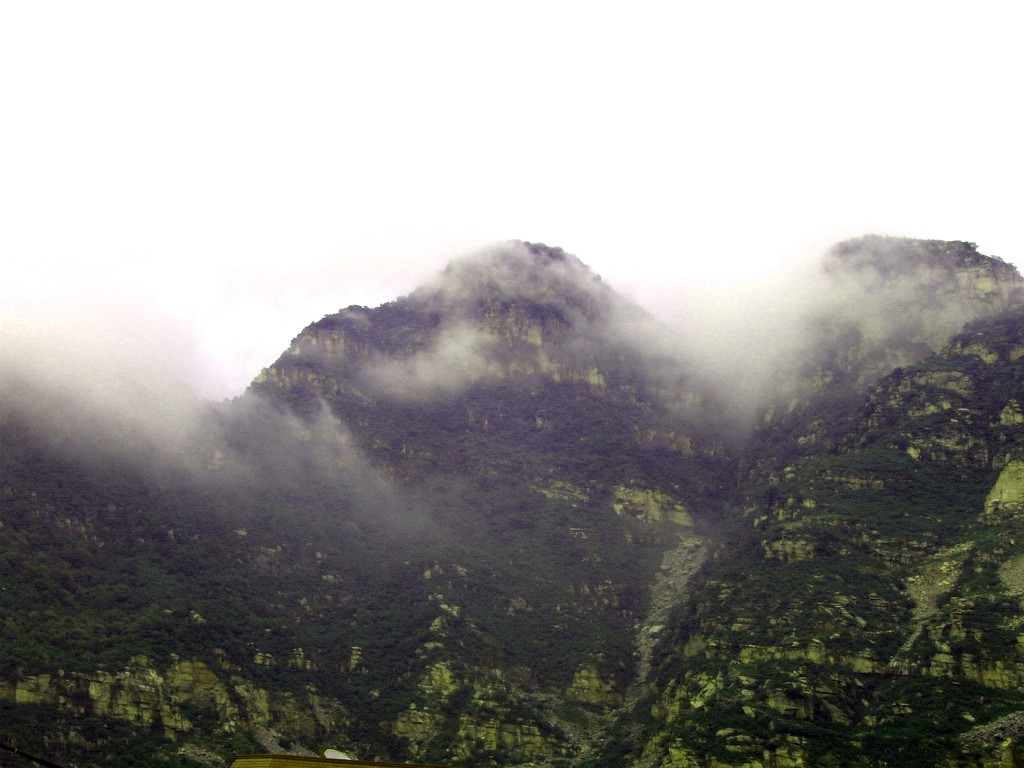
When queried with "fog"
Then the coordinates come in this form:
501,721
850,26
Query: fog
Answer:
101,379
239,170
458,358
110,394
522,307
114,386
745,344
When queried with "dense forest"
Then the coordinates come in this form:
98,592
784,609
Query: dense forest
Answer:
512,519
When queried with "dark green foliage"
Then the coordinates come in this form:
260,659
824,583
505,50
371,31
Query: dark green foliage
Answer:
903,476
383,531
95,740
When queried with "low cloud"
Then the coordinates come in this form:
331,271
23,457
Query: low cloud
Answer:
96,386
101,393
757,343
517,272
460,356
101,381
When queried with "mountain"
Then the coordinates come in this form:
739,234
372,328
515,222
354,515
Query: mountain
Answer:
868,609
510,518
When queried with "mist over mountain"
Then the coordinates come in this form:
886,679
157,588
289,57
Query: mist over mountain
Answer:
513,518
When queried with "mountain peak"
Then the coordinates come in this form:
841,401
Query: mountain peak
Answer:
891,256
495,522
515,310
521,274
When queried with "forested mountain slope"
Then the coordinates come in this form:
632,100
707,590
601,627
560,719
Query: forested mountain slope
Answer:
867,610
510,519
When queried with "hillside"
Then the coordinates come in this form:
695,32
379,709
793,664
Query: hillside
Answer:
509,519
868,609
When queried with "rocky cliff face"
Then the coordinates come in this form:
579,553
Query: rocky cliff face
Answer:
496,522
184,697
883,303
873,594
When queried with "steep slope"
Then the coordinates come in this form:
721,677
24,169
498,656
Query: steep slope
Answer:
494,522
867,610
878,303
522,338
538,415
444,554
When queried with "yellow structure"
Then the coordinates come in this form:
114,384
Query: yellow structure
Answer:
297,761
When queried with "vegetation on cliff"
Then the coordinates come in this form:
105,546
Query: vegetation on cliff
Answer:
453,528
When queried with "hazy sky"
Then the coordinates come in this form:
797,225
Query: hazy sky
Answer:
196,181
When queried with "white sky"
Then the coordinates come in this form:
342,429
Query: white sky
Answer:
209,177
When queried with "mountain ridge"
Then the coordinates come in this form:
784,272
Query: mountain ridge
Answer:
497,521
